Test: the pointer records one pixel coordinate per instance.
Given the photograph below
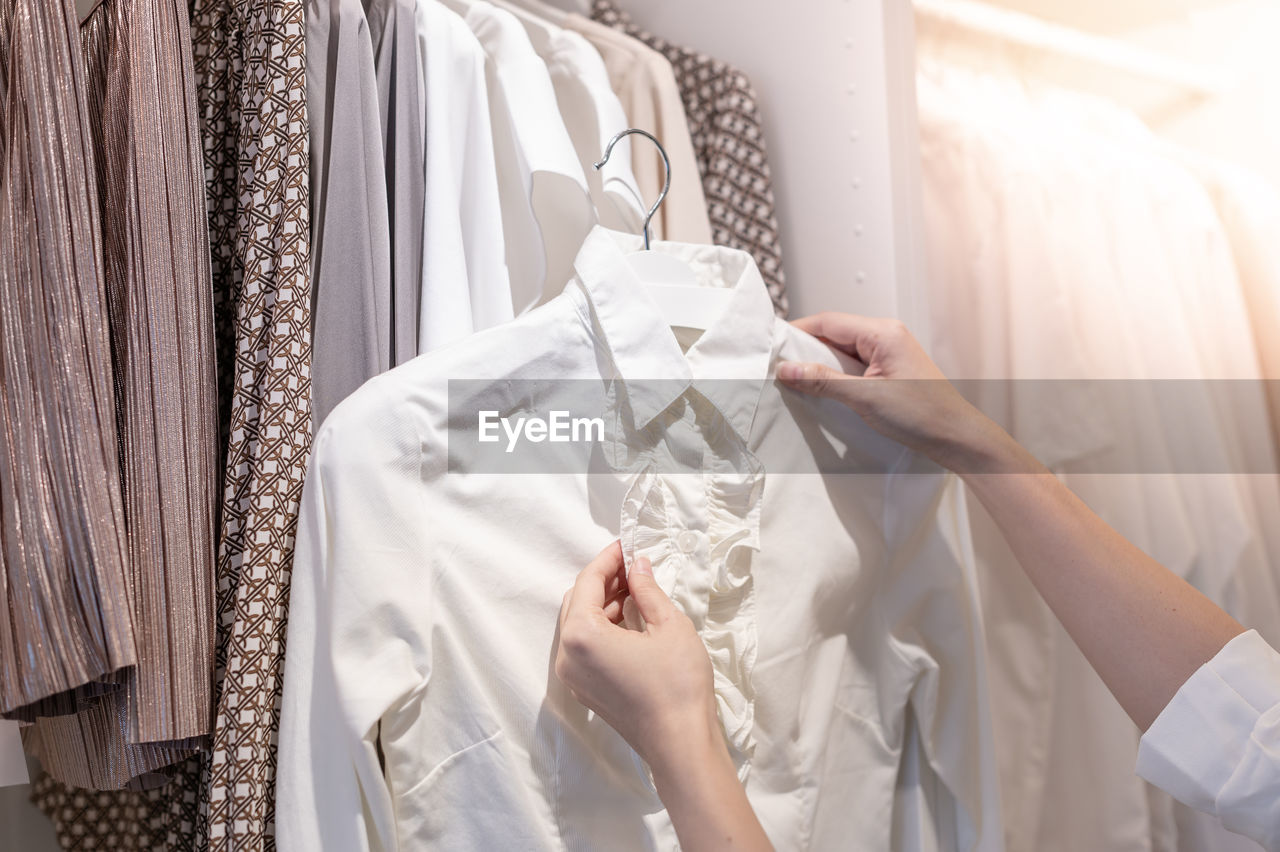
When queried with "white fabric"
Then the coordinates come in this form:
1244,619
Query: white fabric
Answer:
546,204
1063,245
593,115
1250,211
1007,279
465,284
840,611
1216,746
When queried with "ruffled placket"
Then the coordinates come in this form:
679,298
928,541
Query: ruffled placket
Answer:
707,574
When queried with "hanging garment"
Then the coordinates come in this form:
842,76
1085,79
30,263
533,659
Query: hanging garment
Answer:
984,220
593,115
645,85
546,205
728,136
424,605
1162,232
1216,746
1024,194
250,75
351,267
1250,213
393,32
1220,331
465,283
66,620
138,87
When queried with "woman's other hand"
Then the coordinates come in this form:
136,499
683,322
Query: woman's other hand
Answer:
902,394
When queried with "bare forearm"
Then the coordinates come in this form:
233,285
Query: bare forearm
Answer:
1142,628
707,804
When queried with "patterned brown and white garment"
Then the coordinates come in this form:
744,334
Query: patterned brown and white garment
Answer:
728,137
250,78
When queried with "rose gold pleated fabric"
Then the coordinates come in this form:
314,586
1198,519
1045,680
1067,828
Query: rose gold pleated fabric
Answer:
66,619
133,85
251,85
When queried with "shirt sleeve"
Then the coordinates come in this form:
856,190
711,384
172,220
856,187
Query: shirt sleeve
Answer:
1216,746
351,655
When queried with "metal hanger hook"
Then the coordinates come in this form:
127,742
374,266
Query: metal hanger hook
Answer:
666,164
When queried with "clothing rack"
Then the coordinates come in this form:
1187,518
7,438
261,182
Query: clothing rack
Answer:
1029,32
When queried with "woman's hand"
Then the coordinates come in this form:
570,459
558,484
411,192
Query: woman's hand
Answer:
654,686
902,394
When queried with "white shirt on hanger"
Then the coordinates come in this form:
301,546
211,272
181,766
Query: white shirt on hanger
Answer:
465,281
546,204
420,708
593,115
1026,284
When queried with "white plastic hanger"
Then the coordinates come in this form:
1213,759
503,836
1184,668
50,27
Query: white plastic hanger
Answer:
669,281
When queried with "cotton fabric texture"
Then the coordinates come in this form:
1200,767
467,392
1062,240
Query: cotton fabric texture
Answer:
546,203
592,115
424,602
465,281
1216,746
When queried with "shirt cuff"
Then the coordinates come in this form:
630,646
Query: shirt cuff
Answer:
1198,742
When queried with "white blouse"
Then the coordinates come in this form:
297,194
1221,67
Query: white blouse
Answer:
545,199
839,609
1216,746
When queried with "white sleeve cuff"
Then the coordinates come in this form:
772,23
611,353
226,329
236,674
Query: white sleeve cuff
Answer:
1216,746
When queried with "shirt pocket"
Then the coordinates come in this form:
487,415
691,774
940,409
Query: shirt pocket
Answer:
472,800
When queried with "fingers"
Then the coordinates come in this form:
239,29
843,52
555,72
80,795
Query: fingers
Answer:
861,337
613,605
591,589
654,605
820,380
843,330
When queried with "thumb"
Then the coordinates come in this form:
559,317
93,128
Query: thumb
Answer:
654,605
820,380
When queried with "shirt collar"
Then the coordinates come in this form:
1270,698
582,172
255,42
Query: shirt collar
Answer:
644,352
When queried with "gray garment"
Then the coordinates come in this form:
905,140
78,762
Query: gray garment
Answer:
350,231
393,29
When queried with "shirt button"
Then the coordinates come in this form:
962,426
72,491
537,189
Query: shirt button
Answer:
687,541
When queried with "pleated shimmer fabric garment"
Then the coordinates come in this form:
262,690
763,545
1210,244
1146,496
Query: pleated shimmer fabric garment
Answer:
251,85
156,265
728,138
65,621
154,243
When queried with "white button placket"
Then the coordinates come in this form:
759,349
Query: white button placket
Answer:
688,541
694,588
